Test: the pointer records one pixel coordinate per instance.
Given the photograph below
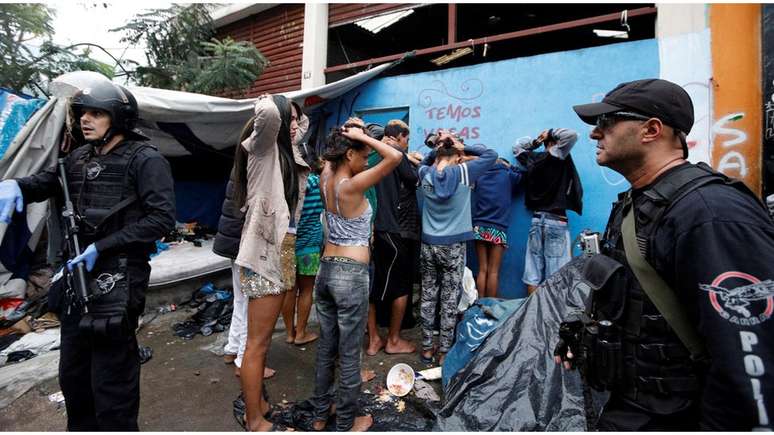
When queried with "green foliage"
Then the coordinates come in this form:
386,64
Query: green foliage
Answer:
172,39
230,65
21,67
182,53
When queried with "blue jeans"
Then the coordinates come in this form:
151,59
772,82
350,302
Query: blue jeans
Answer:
341,300
548,247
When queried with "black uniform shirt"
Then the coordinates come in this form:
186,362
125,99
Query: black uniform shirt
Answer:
715,248
152,178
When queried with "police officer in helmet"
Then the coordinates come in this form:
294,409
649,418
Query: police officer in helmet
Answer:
122,192
682,336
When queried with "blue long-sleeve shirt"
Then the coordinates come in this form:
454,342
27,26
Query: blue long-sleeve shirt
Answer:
446,215
492,196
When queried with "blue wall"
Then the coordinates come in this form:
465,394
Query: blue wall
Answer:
496,103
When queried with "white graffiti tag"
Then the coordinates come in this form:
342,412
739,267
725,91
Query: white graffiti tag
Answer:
732,160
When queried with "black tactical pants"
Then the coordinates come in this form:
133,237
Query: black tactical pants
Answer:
621,416
100,376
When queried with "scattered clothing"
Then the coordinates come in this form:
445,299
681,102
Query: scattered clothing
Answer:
36,342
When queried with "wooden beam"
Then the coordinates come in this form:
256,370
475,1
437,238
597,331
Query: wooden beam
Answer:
495,38
452,38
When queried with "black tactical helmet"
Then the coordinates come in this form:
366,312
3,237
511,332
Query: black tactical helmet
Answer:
113,99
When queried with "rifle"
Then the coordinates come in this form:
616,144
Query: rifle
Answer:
71,235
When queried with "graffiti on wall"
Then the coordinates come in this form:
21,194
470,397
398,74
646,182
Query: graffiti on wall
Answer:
458,111
768,110
731,161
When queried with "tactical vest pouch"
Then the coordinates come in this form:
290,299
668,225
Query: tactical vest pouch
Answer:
604,359
109,299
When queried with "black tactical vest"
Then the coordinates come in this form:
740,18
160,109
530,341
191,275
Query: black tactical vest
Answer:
656,370
102,194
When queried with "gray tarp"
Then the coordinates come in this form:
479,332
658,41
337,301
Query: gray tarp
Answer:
512,382
33,149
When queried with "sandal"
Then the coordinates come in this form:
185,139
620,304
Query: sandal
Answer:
427,360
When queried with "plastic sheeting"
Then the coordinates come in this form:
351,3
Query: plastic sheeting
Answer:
512,382
477,323
14,112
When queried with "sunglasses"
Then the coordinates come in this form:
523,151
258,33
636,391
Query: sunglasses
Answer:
606,121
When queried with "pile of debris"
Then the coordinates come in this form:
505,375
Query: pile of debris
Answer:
213,308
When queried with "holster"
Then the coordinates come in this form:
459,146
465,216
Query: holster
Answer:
109,299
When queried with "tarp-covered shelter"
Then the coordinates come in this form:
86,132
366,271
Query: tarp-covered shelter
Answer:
196,133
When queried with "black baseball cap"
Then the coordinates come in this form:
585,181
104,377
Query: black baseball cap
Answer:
657,98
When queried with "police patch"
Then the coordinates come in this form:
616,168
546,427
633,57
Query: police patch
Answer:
740,298
93,170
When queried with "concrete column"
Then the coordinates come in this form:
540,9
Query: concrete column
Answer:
315,55
677,19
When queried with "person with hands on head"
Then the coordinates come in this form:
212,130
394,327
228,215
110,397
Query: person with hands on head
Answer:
342,285
681,336
552,186
269,187
446,176
122,192
392,258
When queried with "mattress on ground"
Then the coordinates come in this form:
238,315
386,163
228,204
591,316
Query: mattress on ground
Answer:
185,261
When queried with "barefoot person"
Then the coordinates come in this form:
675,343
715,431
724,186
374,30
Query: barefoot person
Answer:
392,286
309,239
341,289
269,186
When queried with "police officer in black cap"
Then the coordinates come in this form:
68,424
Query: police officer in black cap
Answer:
122,192
682,336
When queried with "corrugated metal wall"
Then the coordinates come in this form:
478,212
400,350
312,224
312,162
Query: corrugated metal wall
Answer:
345,13
279,34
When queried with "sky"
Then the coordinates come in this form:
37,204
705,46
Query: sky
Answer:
90,21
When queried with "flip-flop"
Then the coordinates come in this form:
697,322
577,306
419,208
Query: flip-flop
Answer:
426,360
306,342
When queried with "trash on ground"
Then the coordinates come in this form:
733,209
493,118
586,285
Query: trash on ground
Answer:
167,308
46,321
400,379
36,342
57,397
409,414
431,374
19,355
146,353
425,391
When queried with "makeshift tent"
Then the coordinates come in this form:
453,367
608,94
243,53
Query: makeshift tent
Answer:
195,132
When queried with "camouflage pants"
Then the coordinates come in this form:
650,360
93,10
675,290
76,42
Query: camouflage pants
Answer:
442,270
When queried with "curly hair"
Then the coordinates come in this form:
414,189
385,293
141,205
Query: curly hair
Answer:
337,145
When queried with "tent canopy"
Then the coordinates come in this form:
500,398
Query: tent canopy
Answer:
177,122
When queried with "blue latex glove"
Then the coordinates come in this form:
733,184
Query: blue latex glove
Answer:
10,196
88,256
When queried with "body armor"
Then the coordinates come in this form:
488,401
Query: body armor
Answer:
105,200
101,191
632,350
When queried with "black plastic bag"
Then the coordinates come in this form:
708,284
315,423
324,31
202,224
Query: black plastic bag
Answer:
512,382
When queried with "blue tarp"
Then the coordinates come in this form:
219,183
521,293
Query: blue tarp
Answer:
14,113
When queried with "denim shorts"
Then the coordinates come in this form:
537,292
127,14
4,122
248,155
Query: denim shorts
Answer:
548,248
